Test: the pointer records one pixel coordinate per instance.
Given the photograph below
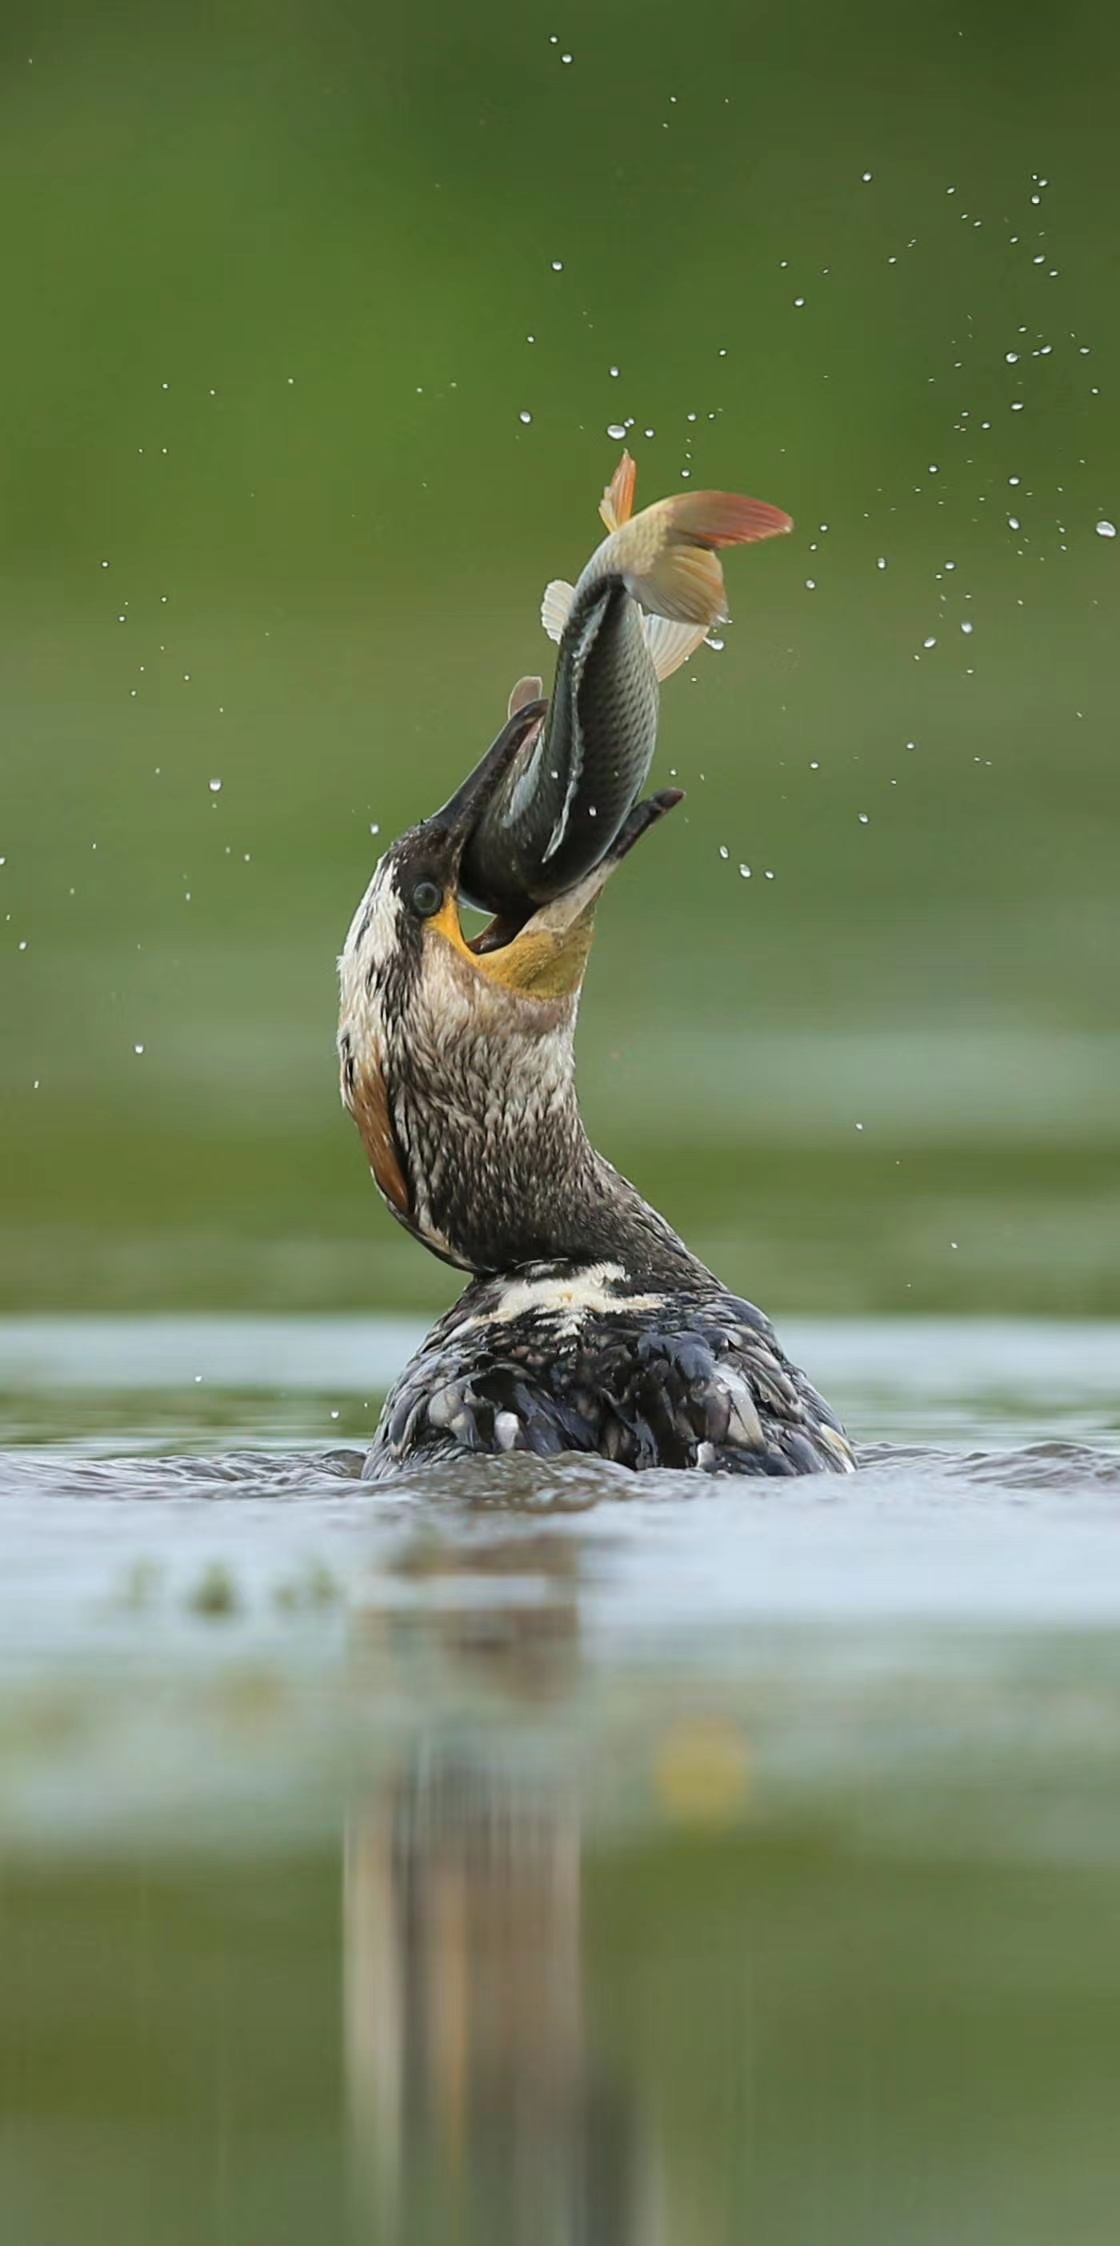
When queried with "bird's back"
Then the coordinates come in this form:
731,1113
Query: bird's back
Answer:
584,1358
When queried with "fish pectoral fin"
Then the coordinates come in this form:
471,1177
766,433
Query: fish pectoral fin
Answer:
670,644
556,607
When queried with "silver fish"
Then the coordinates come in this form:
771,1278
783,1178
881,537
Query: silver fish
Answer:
650,592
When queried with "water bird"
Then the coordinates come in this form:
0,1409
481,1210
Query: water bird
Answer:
587,1325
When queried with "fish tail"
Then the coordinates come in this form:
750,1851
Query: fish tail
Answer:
668,556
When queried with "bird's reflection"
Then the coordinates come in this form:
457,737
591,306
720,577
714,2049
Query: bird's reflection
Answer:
478,2108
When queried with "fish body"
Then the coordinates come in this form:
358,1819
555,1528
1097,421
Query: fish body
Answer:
643,602
581,770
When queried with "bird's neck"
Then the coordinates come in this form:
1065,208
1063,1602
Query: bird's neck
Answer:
502,1173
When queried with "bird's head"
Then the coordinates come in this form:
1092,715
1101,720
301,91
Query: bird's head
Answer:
456,1051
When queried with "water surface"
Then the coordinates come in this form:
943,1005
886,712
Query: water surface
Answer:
537,1851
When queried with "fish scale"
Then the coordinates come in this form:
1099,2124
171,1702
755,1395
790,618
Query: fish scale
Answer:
644,601
585,770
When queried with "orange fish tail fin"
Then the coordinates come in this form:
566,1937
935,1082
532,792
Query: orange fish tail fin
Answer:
669,558
725,518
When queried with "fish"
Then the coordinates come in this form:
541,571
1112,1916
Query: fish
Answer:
640,607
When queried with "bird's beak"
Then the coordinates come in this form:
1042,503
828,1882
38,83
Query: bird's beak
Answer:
458,819
545,955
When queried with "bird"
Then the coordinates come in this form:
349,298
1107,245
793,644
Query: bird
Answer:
586,1325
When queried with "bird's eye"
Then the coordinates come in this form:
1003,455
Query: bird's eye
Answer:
426,898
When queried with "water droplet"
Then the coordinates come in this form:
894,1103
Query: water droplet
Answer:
966,627
769,873
882,562
1106,530
615,372
798,302
717,645
616,429
215,787
864,818
137,1048
724,851
1013,522
557,264
929,643
1016,405
525,417
866,177
745,872
375,826
810,584
1012,358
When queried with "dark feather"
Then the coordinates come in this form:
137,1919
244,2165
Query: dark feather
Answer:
698,1381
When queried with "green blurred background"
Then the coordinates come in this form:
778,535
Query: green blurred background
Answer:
281,289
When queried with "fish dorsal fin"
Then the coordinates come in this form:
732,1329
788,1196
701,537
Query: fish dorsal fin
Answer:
617,503
556,607
670,644
526,690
